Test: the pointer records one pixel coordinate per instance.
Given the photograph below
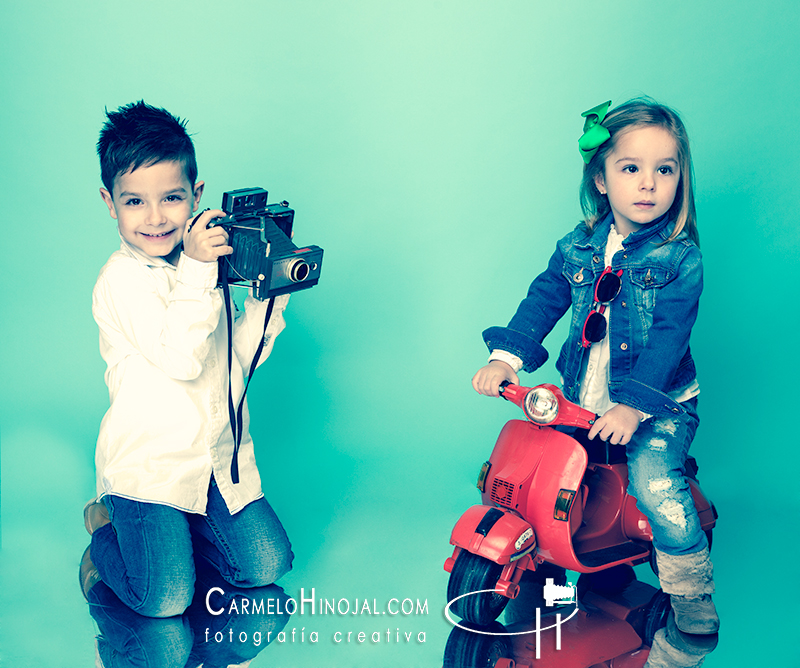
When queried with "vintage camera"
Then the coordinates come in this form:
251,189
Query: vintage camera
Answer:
263,253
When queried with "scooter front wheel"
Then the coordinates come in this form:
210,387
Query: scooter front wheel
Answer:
473,573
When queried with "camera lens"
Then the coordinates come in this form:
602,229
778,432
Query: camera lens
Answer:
298,270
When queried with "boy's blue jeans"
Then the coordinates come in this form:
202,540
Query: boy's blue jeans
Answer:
656,477
146,554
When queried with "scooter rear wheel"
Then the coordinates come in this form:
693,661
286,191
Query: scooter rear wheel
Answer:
473,573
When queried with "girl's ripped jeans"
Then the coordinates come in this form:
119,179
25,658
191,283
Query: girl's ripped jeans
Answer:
657,478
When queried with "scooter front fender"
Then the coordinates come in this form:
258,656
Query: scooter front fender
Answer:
497,534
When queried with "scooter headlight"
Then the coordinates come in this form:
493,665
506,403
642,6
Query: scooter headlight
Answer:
541,406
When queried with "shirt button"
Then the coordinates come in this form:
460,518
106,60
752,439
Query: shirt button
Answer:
213,410
624,346
212,363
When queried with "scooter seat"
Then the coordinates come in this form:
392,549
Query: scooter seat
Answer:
600,452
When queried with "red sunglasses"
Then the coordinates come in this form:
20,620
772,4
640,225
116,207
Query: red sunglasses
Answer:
605,291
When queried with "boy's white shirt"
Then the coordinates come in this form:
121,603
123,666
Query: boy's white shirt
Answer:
164,339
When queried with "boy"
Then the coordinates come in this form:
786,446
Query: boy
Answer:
165,448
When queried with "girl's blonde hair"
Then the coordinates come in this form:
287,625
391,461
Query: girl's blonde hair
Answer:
637,113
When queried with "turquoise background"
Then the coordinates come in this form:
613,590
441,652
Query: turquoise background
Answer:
430,149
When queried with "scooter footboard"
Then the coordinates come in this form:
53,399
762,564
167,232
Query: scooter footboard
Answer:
494,533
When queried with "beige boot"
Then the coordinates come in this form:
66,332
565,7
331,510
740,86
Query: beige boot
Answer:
689,580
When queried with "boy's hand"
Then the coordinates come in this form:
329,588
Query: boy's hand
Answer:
202,243
616,425
487,380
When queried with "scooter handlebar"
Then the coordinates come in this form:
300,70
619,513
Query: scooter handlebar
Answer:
568,413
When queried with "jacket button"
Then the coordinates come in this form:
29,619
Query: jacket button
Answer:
624,304
624,346
595,259
676,410
625,256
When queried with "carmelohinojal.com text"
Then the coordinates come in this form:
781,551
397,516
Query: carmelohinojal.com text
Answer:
312,606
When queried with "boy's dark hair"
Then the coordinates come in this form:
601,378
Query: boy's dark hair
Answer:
139,135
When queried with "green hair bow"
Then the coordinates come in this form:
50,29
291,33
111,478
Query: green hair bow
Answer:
594,134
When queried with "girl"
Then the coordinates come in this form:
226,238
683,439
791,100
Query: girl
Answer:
636,256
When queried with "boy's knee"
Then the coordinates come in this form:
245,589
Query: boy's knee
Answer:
267,569
162,609
165,603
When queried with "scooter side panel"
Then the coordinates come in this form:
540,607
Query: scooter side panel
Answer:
708,518
611,516
561,466
515,456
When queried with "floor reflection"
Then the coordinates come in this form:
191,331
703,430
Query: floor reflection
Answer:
247,620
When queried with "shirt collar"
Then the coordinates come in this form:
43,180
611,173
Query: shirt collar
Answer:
143,258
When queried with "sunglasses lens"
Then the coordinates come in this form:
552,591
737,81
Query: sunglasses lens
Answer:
595,328
608,287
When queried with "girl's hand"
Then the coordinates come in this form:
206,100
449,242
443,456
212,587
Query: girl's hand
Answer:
487,380
205,244
616,425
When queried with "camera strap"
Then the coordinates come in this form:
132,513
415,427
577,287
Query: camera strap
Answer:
236,418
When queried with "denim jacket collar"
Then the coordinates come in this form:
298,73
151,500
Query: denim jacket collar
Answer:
597,239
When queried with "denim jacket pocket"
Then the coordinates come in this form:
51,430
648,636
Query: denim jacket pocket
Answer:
646,281
648,276
581,282
577,275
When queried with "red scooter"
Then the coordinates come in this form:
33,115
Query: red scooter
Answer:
548,497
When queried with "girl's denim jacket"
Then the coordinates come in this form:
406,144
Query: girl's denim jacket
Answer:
650,319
